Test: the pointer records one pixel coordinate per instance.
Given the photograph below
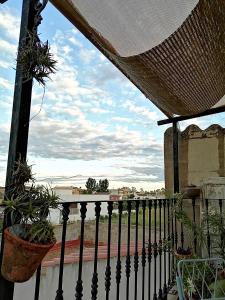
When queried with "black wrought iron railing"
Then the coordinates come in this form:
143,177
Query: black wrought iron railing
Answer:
213,227
132,251
150,279
142,229
205,230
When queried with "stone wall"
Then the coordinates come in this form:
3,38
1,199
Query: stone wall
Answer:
201,155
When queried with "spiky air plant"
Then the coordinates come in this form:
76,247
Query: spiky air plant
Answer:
35,59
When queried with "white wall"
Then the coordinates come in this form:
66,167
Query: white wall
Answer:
49,280
67,196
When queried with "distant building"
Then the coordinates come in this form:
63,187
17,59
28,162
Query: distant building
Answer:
61,187
114,192
125,192
66,195
77,190
115,197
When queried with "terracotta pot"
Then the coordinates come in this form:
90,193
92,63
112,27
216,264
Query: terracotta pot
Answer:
182,256
191,192
21,258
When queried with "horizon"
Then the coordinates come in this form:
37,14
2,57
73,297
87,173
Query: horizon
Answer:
93,121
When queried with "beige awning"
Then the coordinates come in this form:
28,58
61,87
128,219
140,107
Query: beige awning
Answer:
173,51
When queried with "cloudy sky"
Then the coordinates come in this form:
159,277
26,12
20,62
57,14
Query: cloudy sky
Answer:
93,122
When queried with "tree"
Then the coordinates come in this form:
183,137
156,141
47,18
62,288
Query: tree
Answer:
90,185
133,189
103,185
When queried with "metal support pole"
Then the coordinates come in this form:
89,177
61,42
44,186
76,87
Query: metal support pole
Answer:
175,159
20,121
208,112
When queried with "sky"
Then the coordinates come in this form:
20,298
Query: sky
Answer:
90,121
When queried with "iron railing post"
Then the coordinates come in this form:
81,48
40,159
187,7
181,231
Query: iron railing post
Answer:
175,158
20,121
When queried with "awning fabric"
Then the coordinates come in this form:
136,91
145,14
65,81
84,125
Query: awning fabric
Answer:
173,51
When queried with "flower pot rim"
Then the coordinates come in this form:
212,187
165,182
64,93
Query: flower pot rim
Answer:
10,235
182,256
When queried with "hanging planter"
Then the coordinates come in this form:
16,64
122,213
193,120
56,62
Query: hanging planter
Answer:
182,253
35,59
191,191
21,258
31,235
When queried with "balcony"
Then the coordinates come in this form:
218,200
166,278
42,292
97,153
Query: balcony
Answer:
127,253
132,251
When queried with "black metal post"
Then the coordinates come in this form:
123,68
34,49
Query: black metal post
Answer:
175,158
165,251
118,264
20,121
94,286
169,243
176,189
221,218
108,266
194,221
136,257
149,247
79,285
37,284
207,225
128,264
172,240
160,249
143,253
65,216
182,228
155,250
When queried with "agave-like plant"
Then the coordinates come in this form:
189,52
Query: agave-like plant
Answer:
29,206
35,59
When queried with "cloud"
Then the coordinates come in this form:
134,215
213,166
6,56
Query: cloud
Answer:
122,119
87,55
9,35
5,84
83,139
155,173
141,111
99,110
132,120
9,23
74,41
104,73
7,47
80,180
4,64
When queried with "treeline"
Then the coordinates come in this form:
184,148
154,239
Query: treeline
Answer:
93,186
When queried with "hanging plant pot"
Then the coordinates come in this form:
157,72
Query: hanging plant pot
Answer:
181,253
191,192
21,258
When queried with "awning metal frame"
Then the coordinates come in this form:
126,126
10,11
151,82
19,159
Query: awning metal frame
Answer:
208,112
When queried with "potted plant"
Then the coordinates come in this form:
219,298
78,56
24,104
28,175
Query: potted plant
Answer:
202,279
183,253
191,191
35,59
30,235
